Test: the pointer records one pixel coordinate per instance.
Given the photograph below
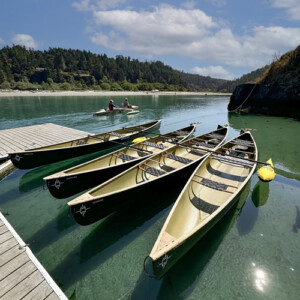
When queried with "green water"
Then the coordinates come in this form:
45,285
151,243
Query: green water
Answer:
253,253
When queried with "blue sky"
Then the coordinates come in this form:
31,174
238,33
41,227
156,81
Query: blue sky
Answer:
217,38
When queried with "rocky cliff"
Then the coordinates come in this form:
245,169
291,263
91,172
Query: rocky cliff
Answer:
276,93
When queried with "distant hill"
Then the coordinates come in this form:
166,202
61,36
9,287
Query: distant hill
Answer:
196,82
67,69
253,76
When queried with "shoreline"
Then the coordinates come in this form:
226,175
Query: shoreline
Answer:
18,93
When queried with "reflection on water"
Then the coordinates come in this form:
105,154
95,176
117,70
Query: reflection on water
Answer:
260,278
106,258
260,193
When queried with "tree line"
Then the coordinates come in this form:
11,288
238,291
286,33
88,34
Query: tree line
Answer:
68,69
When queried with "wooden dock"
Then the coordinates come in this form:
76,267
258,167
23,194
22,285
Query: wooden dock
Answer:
21,274
21,138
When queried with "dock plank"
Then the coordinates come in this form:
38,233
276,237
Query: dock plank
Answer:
21,274
11,254
3,229
7,245
42,291
9,282
35,136
25,286
5,237
13,265
52,296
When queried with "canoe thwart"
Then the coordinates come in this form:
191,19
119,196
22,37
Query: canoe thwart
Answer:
233,161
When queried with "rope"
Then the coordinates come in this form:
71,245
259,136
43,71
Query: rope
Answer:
238,109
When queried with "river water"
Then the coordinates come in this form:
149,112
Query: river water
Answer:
252,253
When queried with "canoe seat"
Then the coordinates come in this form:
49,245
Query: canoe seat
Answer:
214,184
179,158
116,134
154,145
153,171
202,144
81,143
215,136
125,157
181,132
203,205
243,142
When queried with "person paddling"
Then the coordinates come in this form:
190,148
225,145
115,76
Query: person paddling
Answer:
126,103
111,104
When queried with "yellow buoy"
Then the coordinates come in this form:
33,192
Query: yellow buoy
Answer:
138,140
267,173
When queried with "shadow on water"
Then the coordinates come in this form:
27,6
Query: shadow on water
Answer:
296,226
247,218
181,279
53,230
34,178
112,234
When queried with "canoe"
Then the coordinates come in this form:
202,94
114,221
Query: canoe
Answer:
210,192
128,187
104,111
79,178
31,158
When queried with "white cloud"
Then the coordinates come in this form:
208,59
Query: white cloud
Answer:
214,72
191,33
292,7
25,40
161,31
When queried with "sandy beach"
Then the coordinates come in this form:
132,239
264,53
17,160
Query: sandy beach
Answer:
17,93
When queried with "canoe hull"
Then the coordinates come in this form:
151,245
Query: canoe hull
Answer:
34,158
66,186
72,182
161,265
92,211
103,112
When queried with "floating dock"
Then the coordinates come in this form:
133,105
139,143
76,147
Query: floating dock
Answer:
21,274
34,136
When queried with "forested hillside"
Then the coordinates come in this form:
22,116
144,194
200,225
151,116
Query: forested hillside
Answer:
68,69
